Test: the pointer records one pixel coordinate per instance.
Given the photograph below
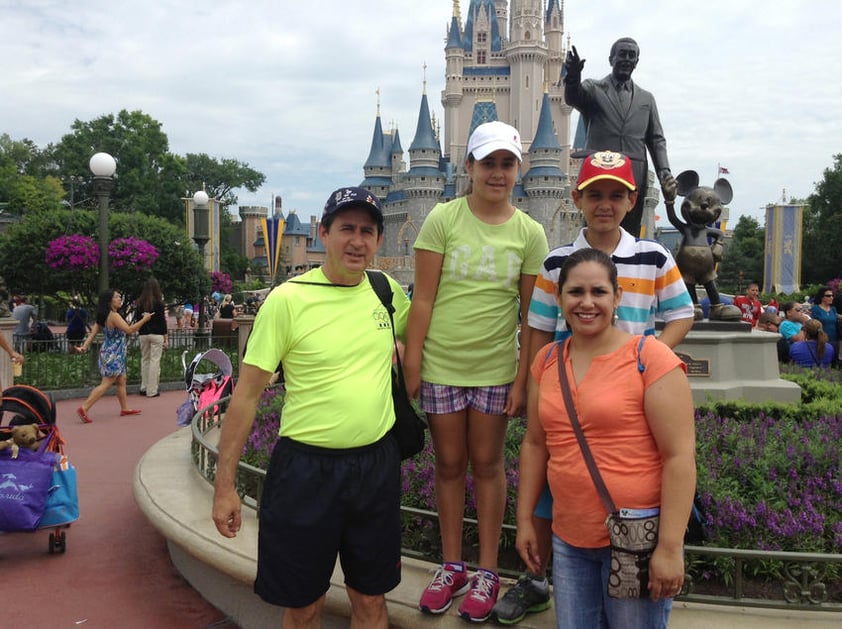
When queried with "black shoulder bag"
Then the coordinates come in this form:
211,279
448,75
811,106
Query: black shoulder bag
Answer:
410,426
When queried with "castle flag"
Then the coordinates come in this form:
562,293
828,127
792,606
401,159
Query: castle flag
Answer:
782,256
273,229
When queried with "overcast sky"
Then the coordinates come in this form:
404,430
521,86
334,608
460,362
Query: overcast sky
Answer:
289,87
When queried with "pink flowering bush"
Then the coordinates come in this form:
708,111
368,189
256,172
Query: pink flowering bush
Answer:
221,282
132,254
73,252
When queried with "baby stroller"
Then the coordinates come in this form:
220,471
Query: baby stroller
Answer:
203,389
37,484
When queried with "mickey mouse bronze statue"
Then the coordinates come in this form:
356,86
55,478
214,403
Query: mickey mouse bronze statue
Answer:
697,256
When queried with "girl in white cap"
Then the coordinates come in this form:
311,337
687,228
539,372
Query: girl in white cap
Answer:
476,259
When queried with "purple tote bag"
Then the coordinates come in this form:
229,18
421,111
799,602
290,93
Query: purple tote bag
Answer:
24,483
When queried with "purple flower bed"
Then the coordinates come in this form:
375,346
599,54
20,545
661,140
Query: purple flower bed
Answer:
771,484
766,483
264,432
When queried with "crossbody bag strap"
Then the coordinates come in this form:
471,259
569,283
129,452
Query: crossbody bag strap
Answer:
383,290
580,435
812,353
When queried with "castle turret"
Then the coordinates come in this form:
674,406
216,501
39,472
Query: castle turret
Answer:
398,165
526,53
424,179
451,96
545,183
554,33
378,167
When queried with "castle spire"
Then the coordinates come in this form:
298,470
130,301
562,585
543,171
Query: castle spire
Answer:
380,153
424,136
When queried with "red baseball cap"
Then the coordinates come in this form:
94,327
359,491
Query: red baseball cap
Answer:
606,165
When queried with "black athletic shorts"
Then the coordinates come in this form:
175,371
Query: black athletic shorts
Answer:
320,502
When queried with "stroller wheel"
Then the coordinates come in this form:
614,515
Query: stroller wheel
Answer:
58,543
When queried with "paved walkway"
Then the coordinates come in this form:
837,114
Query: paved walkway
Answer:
116,572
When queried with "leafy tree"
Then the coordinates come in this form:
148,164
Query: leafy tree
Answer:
233,262
220,178
179,269
149,178
823,227
26,193
24,156
742,262
22,181
22,247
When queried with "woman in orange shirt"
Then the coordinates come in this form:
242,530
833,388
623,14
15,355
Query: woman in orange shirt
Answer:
639,427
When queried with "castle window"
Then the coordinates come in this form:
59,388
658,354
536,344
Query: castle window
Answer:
481,60
482,37
527,35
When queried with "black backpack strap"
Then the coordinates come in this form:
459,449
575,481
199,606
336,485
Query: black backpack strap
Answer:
383,290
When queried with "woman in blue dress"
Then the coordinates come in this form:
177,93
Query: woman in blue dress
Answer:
825,312
112,352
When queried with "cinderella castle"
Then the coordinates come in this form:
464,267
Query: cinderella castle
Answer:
504,62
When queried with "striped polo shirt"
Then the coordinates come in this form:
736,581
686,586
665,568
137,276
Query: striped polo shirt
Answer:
646,272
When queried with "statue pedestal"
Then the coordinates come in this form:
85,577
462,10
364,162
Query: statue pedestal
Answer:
727,361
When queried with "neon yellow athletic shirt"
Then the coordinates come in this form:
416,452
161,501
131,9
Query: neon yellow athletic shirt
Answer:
336,346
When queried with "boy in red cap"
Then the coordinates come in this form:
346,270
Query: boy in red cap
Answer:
605,192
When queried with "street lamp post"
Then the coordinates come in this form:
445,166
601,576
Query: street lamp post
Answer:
73,180
201,235
103,166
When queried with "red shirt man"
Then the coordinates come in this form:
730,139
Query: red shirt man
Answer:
749,304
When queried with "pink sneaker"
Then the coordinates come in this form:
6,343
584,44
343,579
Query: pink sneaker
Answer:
450,580
482,596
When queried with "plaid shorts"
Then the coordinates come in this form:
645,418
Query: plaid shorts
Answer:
441,399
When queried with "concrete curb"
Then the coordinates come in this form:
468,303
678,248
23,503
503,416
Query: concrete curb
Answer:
177,501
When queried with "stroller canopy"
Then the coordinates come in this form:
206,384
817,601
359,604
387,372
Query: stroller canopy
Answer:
30,405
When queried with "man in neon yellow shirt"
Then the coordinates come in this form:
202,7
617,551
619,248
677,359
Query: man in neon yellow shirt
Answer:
333,484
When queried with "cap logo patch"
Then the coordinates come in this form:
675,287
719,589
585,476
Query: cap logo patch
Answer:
343,196
608,160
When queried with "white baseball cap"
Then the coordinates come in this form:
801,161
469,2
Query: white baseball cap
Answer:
494,136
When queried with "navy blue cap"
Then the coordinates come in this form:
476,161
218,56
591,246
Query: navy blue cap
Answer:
345,198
